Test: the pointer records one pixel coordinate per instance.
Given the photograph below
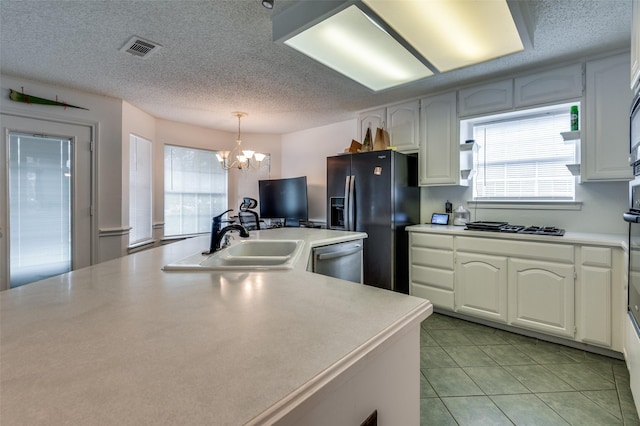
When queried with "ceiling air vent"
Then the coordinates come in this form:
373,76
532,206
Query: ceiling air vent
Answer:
138,46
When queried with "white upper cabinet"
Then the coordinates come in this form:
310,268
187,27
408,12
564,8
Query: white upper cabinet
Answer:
438,162
606,120
486,98
403,124
635,44
371,119
549,86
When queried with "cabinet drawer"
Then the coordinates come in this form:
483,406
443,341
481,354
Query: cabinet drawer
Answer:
596,256
432,277
430,257
438,297
512,248
444,242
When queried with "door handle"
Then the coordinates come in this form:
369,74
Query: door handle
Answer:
341,253
630,217
347,202
352,204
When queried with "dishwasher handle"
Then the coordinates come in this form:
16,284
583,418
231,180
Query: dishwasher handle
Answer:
339,253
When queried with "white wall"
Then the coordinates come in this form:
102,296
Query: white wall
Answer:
106,114
301,153
602,206
114,120
141,124
304,153
174,133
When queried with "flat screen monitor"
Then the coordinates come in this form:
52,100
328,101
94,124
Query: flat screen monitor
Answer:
284,199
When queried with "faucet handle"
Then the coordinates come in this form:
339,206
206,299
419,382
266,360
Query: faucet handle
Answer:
219,217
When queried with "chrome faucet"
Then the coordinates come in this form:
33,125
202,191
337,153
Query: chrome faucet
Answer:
218,232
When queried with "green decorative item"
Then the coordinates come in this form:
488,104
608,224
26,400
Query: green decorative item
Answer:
28,99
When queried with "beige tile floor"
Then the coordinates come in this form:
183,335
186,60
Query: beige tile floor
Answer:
477,375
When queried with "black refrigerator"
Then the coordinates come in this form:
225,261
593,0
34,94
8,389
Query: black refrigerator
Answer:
376,192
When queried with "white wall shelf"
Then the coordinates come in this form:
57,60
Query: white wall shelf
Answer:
574,169
571,136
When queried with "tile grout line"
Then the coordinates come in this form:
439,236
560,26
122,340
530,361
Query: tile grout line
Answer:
577,358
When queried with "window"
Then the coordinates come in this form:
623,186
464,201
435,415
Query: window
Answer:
140,176
195,190
522,156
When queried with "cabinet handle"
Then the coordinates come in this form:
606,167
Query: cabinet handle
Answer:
334,254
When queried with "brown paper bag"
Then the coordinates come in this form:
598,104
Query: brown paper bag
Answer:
355,147
382,140
367,144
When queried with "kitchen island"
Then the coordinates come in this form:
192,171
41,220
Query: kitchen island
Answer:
124,342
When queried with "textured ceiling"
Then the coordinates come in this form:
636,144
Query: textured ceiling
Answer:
218,56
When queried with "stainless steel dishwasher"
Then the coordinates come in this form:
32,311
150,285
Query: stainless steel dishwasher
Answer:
341,260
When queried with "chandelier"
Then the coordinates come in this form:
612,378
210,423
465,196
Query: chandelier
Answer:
245,159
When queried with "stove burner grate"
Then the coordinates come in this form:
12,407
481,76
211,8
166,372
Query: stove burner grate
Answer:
514,229
543,230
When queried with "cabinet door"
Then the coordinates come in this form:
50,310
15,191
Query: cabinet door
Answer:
439,147
595,296
491,98
606,136
595,301
541,296
403,124
371,119
549,86
481,285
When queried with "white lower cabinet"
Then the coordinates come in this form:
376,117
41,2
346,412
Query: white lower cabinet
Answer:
481,285
541,296
571,290
431,268
601,304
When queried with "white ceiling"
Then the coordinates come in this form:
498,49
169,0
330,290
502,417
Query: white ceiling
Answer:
218,56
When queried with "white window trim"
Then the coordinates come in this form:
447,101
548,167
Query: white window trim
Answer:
196,233
134,139
466,132
526,205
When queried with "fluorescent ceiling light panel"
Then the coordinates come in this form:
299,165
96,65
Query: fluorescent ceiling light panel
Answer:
352,44
452,33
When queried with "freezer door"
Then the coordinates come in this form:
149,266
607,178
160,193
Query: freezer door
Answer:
338,170
373,192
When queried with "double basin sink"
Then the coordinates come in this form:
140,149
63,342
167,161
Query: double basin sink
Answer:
248,254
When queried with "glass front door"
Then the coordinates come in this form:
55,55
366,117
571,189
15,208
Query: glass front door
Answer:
39,207
46,223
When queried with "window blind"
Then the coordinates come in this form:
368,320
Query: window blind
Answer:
140,195
39,206
195,190
524,158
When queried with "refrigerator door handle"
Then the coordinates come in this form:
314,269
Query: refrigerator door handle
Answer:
352,206
347,202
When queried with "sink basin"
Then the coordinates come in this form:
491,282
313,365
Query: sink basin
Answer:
245,255
263,248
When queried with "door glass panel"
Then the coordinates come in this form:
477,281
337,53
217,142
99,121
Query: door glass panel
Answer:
39,207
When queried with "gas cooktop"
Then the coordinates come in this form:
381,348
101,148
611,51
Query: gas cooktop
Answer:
514,229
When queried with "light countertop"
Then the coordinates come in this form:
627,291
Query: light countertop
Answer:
124,342
609,240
